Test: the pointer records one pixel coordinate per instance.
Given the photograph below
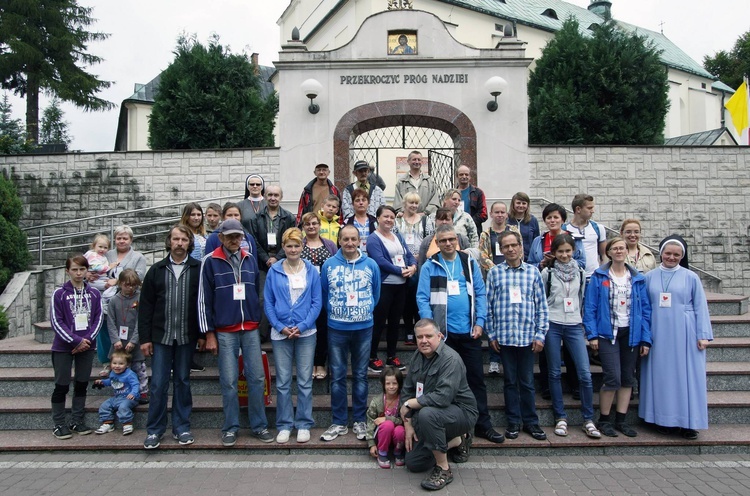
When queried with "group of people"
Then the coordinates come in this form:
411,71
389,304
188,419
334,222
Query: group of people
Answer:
325,285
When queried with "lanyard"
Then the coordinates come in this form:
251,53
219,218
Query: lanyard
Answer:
665,288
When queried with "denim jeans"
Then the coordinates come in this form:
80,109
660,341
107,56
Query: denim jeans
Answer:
119,405
518,386
176,360
230,344
297,353
575,342
341,344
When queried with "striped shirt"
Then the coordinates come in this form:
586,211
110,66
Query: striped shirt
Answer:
516,324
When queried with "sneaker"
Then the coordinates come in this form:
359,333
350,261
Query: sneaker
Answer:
143,399
184,439
333,432
105,428
511,432
494,368
303,435
360,430
127,429
194,367
460,454
228,438
535,431
375,366
437,479
62,432
283,436
400,461
383,462
263,435
81,429
395,362
152,441
410,341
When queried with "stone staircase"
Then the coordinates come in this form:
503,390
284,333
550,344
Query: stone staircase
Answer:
26,384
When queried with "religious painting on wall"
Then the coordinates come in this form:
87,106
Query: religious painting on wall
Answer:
402,43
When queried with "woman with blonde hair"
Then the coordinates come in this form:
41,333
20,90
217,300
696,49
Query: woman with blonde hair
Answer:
520,216
639,256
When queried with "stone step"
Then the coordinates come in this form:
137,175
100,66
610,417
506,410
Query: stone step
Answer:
718,439
728,350
729,326
726,304
33,412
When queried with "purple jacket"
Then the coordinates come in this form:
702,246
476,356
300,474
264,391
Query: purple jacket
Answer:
63,320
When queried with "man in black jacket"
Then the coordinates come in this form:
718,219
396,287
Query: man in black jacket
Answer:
168,329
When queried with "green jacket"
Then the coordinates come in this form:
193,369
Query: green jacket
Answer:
376,408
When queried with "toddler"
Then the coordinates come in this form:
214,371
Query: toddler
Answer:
98,264
384,425
124,398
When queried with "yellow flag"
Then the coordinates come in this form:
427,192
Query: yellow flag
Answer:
738,108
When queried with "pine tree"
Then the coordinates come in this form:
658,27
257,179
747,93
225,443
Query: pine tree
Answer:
11,131
54,129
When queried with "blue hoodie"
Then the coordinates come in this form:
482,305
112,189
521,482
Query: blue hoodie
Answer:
277,303
340,277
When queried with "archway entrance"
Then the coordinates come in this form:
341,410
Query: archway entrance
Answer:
444,131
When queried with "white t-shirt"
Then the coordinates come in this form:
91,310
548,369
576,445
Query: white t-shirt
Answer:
591,240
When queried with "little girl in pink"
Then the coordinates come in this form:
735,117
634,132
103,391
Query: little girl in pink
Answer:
385,429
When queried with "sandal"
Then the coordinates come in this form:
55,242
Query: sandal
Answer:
105,371
590,429
561,428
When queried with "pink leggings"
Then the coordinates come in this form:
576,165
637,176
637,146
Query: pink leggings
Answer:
390,434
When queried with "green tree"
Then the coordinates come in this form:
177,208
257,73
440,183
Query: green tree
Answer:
14,254
54,130
43,47
607,88
12,139
210,98
730,66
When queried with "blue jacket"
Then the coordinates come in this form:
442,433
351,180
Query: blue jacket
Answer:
596,308
217,309
536,252
277,303
341,277
377,251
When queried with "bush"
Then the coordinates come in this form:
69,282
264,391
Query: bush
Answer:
4,324
14,254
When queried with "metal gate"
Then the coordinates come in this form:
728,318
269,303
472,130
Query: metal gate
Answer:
441,170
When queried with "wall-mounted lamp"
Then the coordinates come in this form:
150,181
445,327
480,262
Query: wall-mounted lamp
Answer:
312,88
495,86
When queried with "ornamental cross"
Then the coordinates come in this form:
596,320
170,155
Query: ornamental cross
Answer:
399,4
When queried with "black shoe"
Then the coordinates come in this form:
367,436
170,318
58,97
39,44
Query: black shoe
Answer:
576,394
546,394
511,432
62,432
194,367
81,429
607,429
666,431
437,479
460,454
490,435
626,429
689,434
535,431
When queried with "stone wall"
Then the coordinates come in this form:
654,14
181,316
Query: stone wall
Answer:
701,193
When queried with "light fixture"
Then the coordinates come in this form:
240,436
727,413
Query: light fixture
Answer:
312,88
495,86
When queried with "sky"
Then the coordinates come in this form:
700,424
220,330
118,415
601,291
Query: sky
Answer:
143,35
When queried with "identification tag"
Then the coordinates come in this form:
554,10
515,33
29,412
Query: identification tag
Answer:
271,238
665,300
238,291
123,332
398,261
497,248
568,306
363,245
297,281
461,205
515,295
352,299
420,389
453,289
410,238
622,302
82,321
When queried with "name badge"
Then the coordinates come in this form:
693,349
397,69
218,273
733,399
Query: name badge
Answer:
123,332
453,289
568,306
622,302
352,299
665,300
82,321
515,295
420,389
497,248
238,291
363,245
461,205
398,261
297,281
271,237
410,238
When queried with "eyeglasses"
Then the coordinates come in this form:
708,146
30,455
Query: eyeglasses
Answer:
618,248
512,245
447,240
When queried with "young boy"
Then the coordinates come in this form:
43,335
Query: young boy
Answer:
329,220
124,398
213,217
583,227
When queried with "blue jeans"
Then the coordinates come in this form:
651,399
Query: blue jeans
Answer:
575,342
297,353
518,387
169,359
340,345
119,405
230,344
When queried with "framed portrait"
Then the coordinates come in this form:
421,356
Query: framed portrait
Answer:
402,42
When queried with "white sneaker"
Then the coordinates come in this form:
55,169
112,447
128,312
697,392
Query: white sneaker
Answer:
333,432
127,429
105,428
283,436
494,368
360,430
303,435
